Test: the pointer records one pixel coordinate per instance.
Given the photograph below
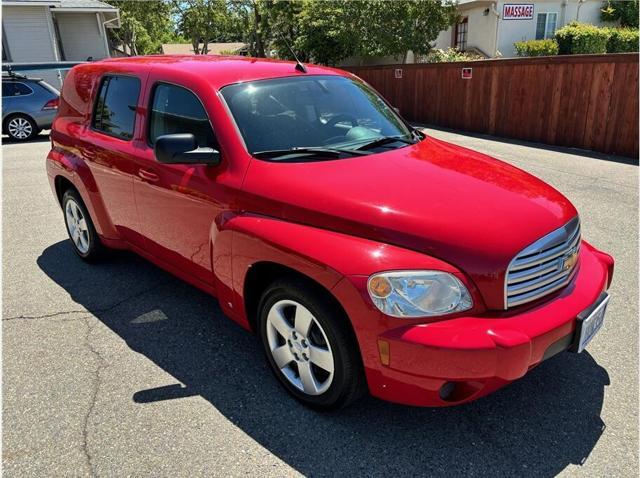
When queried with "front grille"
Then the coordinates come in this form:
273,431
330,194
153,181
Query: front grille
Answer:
543,267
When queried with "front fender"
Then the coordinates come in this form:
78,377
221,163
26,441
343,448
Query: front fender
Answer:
323,255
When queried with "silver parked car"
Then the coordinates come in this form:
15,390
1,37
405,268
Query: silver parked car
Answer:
28,106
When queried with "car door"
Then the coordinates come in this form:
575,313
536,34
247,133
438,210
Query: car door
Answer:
179,204
108,148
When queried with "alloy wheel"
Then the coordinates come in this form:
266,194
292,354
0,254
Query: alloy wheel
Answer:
299,347
20,128
77,226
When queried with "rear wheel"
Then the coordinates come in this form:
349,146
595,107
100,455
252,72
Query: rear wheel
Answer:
309,346
21,128
82,233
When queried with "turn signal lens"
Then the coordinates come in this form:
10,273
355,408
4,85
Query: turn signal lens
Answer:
380,287
383,349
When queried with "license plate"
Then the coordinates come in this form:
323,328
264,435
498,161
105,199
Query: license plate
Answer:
590,322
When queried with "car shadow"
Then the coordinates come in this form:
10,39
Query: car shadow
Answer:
535,427
43,137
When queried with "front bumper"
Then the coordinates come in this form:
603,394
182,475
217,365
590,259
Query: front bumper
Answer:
477,355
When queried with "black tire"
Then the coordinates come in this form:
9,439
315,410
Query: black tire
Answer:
95,250
20,119
348,383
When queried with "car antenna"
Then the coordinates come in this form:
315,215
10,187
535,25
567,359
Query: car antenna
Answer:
299,65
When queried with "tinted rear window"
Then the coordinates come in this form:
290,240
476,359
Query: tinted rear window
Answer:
114,112
23,89
15,89
8,89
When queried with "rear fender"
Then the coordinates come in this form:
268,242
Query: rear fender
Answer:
64,161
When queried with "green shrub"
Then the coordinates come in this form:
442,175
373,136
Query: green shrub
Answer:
448,55
536,47
622,40
577,38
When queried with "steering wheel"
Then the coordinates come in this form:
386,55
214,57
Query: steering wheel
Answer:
339,118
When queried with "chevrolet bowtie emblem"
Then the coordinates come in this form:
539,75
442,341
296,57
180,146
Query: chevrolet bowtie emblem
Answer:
569,259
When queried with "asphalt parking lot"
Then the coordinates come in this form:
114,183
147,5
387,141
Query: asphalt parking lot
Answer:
119,369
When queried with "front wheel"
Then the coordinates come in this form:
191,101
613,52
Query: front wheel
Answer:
309,346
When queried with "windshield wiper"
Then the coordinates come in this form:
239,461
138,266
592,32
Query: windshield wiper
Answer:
331,153
384,140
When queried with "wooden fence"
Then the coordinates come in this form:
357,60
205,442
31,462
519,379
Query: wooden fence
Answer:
582,101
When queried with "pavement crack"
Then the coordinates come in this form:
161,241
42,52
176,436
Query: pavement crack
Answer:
47,316
95,391
95,311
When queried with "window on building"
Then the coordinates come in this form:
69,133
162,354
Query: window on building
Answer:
177,110
546,25
115,108
460,34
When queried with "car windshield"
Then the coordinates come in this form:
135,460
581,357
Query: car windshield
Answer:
313,114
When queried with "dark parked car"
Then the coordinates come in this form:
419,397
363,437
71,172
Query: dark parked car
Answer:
28,106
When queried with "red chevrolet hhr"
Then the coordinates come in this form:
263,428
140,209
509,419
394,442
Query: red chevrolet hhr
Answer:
365,254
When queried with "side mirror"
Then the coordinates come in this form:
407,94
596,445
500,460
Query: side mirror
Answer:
183,149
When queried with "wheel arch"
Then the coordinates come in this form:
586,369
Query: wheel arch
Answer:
67,170
61,185
263,273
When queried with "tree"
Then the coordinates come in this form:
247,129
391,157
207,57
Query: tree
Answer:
251,19
144,26
203,22
326,36
626,11
284,27
333,30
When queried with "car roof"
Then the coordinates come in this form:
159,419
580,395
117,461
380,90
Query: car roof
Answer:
220,70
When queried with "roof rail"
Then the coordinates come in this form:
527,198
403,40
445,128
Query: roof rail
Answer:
56,65
13,74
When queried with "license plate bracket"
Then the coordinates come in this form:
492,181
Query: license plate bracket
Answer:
589,322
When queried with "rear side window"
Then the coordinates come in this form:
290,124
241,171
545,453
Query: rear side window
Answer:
177,110
8,89
15,89
23,89
115,109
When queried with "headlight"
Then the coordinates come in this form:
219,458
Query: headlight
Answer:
408,294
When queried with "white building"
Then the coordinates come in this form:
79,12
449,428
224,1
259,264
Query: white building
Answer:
489,27
56,30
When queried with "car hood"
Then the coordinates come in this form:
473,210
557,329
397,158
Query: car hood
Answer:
468,209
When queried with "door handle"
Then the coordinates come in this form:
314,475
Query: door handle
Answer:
148,175
90,153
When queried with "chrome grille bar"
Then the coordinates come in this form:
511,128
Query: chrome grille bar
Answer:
543,267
